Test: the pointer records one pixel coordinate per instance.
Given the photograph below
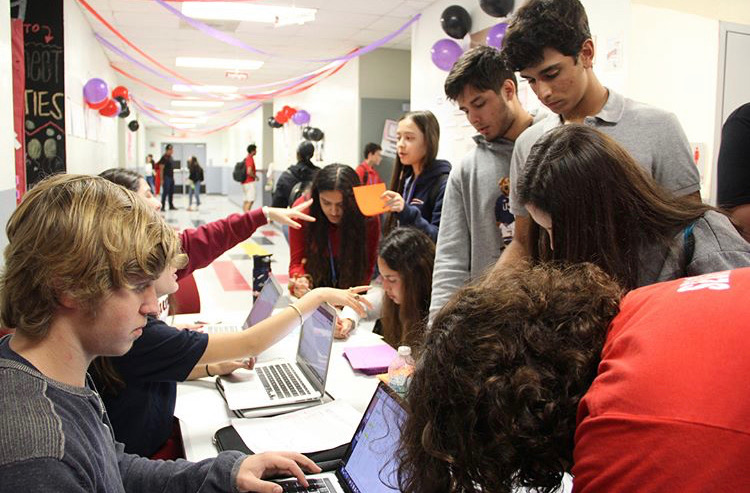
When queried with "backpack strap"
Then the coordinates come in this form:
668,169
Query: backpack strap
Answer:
688,246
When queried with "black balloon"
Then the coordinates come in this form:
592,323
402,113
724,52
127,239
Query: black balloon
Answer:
124,112
306,133
456,21
497,8
271,120
133,125
315,134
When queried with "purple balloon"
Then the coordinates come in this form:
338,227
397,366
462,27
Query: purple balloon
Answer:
301,117
445,52
95,91
496,35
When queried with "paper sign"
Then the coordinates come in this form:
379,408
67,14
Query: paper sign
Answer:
368,199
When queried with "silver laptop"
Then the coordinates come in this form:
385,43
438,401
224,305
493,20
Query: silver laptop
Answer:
261,310
280,382
370,464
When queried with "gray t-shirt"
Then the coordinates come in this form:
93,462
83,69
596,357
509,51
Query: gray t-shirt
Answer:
717,247
652,136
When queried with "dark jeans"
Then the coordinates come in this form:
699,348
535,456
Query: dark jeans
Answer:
167,191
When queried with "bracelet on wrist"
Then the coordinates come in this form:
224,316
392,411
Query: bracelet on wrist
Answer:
299,313
208,372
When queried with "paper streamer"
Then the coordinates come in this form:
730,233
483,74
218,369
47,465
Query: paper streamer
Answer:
230,40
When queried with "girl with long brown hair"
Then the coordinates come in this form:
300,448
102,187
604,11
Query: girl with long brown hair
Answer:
418,182
339,248
593,203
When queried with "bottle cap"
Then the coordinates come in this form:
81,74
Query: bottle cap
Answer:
404,351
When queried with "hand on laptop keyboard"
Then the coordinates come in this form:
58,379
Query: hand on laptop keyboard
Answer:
316,485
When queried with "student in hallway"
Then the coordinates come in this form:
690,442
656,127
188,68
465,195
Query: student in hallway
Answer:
166,170
294,181
248,186
73,292
418,182
195,180
551,372
597,205
338,249
476,224
550,44
366,171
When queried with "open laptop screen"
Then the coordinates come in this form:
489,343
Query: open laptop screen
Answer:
315,343
371,465
263,305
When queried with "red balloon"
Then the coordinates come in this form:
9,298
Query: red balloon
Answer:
289,112
112,108
121,92
97,106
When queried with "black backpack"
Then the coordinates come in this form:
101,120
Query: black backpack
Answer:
298,190
240,172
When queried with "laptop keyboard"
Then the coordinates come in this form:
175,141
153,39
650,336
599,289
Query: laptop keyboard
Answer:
319,485
280,381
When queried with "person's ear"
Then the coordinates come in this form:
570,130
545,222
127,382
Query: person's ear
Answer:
508,90
68,301
586,55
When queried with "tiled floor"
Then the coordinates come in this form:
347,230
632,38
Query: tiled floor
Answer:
226,284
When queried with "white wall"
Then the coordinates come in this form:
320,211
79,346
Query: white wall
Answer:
674,62
334,108
7,136
84,59
248,131
216,148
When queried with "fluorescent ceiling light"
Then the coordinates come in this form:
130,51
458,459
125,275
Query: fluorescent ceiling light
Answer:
216,89
184,125
221,63
188,120
194,103
235,11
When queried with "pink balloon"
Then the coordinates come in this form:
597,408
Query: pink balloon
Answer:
496,35
445,52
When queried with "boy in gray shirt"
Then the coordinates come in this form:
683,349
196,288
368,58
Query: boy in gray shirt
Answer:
476,223
550,44
75,287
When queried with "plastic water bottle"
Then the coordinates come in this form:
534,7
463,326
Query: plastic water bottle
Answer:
400,370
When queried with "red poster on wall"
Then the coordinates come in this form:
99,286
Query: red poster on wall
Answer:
19,86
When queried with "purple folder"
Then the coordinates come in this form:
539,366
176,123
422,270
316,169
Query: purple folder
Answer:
370,360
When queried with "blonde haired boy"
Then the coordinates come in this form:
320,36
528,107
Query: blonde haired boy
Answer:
80,266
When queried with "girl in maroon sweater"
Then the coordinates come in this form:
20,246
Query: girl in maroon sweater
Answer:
338,249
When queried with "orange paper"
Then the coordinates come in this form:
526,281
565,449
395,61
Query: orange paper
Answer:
368,199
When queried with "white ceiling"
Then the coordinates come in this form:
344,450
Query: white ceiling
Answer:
339,26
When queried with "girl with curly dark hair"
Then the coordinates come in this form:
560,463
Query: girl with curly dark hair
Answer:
597,205
493,399
339,248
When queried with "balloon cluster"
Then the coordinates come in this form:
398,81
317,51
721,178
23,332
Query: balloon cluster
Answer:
97,96
456,23
299,117
312,133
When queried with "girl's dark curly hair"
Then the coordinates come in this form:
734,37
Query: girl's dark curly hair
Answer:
493,399
558,24
351,265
